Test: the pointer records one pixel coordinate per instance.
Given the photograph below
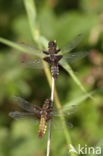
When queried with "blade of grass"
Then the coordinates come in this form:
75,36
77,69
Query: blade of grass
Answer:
33,22
20,47
77,101
80,99
32,18
67,67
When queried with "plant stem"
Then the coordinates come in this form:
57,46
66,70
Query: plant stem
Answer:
52,90
50,121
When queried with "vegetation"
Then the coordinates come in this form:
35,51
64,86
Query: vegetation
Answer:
35,23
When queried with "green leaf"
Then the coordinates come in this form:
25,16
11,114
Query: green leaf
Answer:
79,100
21,47
33,22
67,67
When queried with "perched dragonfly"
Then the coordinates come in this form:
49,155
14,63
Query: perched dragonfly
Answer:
43,114
53,58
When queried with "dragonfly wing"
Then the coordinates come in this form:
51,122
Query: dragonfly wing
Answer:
34,64
65,114
32,50
17,115
71,58
57,126
65,111
71,44
27,105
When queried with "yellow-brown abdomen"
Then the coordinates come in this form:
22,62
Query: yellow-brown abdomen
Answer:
42,127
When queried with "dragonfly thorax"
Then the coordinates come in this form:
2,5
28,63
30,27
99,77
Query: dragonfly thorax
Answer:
52,49
52,44
52,57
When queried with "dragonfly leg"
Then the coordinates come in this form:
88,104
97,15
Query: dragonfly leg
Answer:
57,51
45,52
50,110
37,107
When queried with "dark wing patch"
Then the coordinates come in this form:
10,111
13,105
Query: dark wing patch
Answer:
47,59
58,57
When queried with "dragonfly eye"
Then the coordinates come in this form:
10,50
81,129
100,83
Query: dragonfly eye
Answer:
52,44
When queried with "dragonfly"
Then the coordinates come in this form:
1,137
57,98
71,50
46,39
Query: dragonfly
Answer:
55,57
44,113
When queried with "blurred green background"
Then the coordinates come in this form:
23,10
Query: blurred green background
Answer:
61,21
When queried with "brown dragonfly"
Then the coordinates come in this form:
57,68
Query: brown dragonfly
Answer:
53,58
44,114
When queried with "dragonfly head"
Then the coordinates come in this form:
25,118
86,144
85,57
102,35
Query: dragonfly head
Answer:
52,44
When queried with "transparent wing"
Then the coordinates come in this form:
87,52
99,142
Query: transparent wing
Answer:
71,44
57,126
27,105
34,64
70,58
17,115
33,58
65,111
32,50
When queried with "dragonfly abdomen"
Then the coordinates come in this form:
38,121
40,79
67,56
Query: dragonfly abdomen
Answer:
55,71
42,127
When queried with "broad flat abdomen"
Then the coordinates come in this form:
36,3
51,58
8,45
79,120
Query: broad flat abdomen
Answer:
42,127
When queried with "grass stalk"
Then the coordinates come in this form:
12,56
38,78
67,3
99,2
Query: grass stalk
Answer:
58,105
50,121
